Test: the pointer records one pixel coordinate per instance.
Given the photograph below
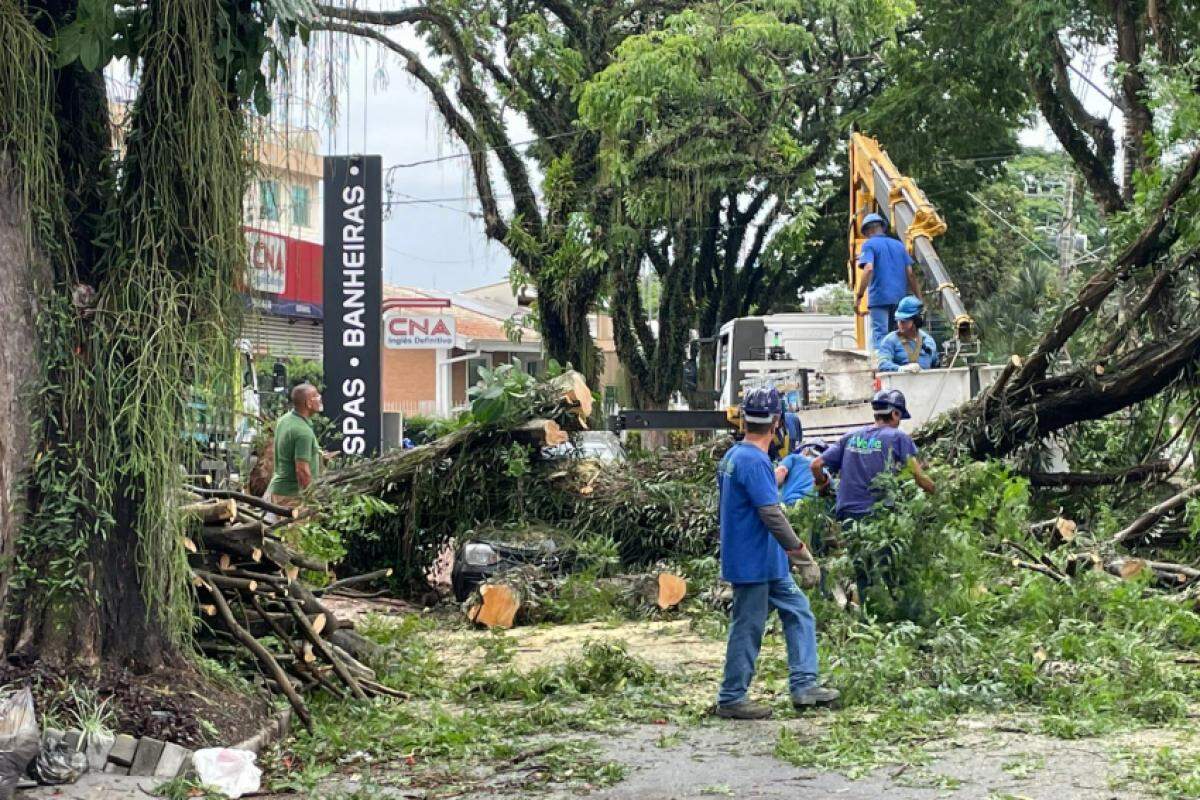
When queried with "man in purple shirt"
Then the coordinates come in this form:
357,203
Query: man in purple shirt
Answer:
861,455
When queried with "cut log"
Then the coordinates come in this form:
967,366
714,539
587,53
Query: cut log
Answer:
355,580
1142,525
540,433
188,544
1079,563
1125,568
511,597
225,582
575,392
284,556
497,607
246,499
671,590
210,512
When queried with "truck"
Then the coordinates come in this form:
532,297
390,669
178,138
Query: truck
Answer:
223,420
824,361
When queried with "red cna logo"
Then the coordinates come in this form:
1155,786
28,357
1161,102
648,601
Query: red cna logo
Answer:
418,326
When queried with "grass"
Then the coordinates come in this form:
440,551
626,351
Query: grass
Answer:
957,633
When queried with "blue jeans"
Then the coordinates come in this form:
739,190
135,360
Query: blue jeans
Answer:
751,604
883,321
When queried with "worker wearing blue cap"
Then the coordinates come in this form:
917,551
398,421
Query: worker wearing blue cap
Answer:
908,348
886,276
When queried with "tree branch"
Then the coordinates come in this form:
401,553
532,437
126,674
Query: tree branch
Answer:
1096,172
1146,247
494,225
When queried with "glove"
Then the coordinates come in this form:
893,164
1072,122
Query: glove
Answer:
912,368
809,570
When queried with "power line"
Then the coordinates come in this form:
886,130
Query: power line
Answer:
1014,228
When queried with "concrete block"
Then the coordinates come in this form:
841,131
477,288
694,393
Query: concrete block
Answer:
146,758
115,769
123,750
71,740
171,760
97,750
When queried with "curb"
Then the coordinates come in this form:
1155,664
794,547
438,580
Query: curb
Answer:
274,730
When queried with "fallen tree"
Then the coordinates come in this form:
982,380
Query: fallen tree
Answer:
1137,358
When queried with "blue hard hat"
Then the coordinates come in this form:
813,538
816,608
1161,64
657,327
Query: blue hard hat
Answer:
909,307
891,399
869,218
761,404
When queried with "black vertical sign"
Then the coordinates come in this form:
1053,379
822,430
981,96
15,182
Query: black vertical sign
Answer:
353,296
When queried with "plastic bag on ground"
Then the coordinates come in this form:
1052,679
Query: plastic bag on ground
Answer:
231,772
55,763
18,738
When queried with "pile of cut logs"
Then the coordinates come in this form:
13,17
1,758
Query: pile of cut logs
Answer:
253,604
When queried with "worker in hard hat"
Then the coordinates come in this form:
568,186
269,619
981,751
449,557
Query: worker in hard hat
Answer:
885,277
908,348
861,455
757,544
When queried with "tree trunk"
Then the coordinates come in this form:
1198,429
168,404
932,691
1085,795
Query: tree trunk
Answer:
20,271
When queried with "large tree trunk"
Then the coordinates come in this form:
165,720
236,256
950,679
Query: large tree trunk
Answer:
20,271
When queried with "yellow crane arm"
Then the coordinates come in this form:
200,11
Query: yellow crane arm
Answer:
877,186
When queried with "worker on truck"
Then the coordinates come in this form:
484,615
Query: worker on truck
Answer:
908,348
885,276
861,455
757,544
297,452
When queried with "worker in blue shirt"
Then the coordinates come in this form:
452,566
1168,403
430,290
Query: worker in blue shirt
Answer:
908,348
757,545
885,276
794,478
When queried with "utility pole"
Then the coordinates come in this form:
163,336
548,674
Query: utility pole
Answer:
1066,234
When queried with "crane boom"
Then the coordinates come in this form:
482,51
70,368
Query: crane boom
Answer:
877,186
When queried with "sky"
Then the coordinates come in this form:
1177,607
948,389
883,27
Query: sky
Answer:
433,237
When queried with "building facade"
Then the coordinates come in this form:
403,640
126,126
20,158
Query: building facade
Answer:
282,213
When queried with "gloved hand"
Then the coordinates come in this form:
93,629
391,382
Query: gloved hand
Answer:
807,567
911,368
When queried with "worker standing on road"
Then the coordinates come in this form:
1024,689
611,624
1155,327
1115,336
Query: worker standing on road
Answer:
885,276
861,455
908,348
297,452
757,543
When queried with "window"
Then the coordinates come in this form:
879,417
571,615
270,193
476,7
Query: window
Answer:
473,365
268,200
300,206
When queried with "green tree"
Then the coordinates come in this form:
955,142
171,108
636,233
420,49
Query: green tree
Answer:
718,129
486,61
135,264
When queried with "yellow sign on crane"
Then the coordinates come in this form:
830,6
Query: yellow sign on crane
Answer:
876,186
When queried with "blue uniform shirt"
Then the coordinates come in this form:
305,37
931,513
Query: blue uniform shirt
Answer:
895,351
889,276
861,455
799,481
746,482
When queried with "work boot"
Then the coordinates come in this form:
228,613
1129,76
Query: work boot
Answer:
815,696
743,710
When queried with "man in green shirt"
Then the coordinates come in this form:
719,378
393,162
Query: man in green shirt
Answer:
297,452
